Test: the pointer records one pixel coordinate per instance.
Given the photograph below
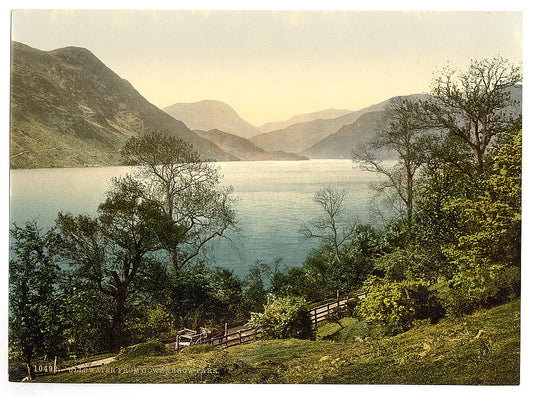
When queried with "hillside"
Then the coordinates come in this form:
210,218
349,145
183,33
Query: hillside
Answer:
317,115
211,114
244,149
68,109
300,137
341,143
478,349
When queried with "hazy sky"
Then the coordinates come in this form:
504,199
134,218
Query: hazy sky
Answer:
271,65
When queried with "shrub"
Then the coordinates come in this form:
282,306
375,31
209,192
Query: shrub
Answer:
394,306
284,317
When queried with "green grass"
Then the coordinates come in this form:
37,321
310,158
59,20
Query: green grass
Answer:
483,348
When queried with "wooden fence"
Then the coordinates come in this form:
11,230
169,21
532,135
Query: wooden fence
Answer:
321,312
241,336
246,335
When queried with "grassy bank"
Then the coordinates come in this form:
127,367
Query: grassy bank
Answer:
483,348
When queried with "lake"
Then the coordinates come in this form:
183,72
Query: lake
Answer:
274,199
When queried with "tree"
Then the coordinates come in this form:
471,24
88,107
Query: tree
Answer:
404,135
473,108
34,323
171,175
332,228
110,249
486,252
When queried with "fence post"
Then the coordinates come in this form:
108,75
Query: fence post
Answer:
226,329
240,337
338,300
55,364
315,318
178,343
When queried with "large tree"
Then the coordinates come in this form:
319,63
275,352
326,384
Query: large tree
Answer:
110,249
34,317
472,108
170,174
404,135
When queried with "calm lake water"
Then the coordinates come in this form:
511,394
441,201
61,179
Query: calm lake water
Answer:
274,198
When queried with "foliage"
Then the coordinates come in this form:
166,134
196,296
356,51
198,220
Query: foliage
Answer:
283,317
35,326
394,306
171,175
487,252
473,108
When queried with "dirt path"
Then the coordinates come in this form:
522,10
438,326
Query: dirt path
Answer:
96,363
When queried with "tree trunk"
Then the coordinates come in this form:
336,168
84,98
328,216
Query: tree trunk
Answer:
118,319
30,367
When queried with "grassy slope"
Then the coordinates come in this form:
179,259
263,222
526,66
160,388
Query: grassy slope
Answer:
483,348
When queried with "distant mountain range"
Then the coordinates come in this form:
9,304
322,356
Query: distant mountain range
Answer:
211,114
68,109
318,115
244,149
298,138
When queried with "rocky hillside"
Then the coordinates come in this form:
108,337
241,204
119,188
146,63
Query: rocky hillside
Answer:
211,114
68,109
244,149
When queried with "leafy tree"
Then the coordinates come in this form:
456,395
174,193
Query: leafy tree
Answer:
333,228
35,326
487,251
171,175
109,249
472,108
394,306
404,135
283,317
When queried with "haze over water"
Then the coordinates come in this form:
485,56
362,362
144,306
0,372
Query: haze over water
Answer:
273,200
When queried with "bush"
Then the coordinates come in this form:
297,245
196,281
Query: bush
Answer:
394,306
284,317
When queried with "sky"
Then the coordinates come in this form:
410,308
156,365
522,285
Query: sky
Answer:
271,65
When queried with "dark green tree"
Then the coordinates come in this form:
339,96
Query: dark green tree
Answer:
35,325
109,250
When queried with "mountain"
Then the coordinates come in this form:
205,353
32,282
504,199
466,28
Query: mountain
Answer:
68,109
244,149
300,137
318,115
341,143
211,114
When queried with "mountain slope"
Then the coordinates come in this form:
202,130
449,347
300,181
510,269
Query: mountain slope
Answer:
300,137
318,115
244,149
341,143
211,114
68,109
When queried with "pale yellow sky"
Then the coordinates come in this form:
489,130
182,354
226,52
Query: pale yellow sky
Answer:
271,65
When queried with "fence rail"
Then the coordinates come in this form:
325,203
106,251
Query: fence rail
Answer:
246,335
321,312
